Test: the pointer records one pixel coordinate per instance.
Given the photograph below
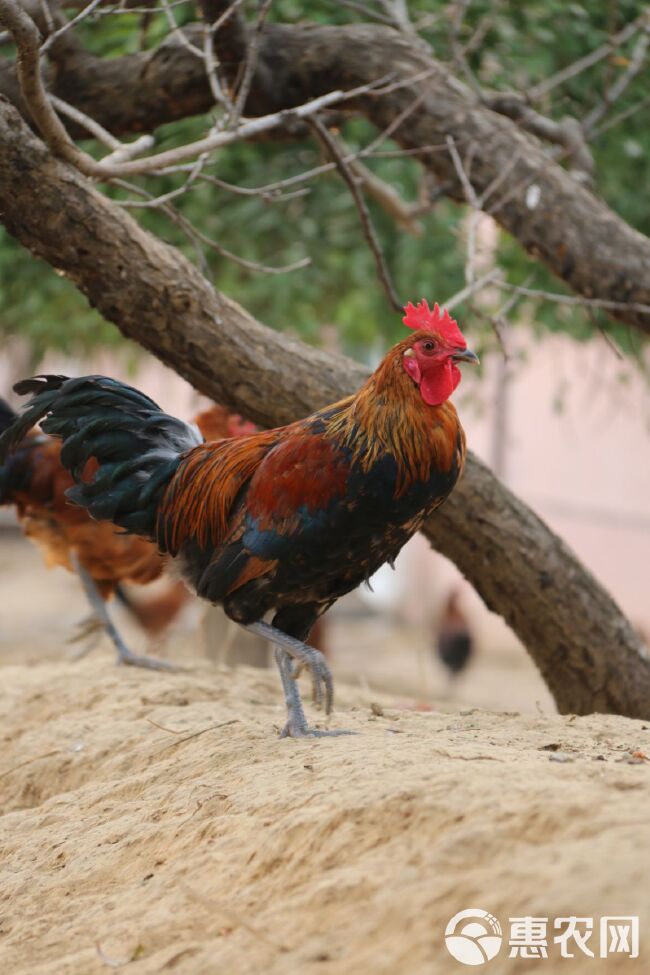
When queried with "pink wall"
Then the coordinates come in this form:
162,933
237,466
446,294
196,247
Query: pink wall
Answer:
586,468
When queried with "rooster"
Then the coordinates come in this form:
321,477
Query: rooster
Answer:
287,519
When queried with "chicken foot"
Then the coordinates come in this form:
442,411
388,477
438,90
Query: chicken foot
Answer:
291,657
100,611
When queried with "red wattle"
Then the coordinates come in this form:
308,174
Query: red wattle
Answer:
438,384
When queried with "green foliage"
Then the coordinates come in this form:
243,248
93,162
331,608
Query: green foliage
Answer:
45,308
521,45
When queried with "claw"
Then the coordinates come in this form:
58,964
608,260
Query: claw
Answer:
320,675
129,659
294,728
292,657
289,731
302,656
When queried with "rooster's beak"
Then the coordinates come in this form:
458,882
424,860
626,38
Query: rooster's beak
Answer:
465,355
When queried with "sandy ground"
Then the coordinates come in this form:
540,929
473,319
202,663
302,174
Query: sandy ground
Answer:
153,823
374,652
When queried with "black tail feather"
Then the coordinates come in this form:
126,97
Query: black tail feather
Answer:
137,446
46,390
15,473
7,415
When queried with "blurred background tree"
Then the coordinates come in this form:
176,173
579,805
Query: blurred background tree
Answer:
501,45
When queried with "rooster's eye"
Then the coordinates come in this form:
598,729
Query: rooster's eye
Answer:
428,347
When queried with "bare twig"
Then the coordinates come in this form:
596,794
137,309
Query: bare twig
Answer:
93,128
218,93
611,343
614,92
539,91
174,217
386,196
332,148
195,734
69,24
398,13
485,23
272,192
367,11
468,189
252,52
195,235
475,206
227,14
235,917
217,140
500,178
568,132
27,39
178,32
522,185
621,116
126,151
493,275
459,52
576,300
28,761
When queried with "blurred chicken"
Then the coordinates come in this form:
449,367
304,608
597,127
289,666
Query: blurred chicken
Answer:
155,614
217,423
34,481
454,643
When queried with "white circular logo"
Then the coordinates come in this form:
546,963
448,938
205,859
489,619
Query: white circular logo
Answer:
473,936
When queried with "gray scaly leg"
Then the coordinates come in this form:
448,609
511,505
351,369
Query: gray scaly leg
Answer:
124,655
292,656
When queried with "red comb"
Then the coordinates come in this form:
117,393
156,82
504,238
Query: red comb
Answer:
440,321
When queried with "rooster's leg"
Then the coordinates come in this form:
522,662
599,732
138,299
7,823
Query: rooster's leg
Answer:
296,726
124,655
291,656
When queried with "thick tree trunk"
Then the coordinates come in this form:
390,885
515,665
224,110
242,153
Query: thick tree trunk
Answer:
585,648
571,230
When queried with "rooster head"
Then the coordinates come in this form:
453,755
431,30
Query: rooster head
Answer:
433,352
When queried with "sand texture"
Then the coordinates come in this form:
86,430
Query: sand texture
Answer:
232,852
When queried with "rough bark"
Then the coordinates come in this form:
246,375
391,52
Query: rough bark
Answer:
573,232
586,650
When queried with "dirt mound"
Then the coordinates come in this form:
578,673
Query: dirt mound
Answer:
200,851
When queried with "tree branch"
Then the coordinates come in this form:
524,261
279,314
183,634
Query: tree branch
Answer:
586,650
573,232
567,133
369,232
27,39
